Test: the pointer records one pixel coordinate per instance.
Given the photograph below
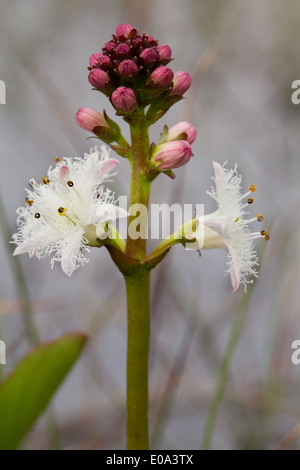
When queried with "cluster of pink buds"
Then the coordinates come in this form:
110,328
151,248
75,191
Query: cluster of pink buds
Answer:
132,71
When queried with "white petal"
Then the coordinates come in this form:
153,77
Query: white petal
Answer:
69,254
107,212
25,247
107,166
219,176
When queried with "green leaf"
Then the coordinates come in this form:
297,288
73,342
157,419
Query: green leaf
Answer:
27,391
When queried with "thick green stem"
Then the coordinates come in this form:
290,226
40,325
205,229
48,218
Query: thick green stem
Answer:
137,286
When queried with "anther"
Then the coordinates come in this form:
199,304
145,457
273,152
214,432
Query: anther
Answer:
61,210
267,237
70,184
37,215
260,217
46,180
250,200
263,232
252,188
31,183
58,160
29,201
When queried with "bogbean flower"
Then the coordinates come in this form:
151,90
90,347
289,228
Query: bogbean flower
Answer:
63,214
228,227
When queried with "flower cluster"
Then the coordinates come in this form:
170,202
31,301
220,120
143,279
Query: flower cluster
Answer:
132,70
63,212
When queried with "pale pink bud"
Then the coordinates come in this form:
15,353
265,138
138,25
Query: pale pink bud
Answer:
162,76
98,78
128,68
88,119
181,83
124,30
164,52
94,59
148,55
171,155
182,127
124,99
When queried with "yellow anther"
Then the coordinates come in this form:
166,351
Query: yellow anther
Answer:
58,160
29,201
260,217
46,180
70,184
250,200
263,232
267,237
252,188
62,210
37,215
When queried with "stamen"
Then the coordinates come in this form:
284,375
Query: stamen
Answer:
70,184
29,201
62,210
260,217
267,237
263,233
58,160
37,215
46,180
252,188
250,200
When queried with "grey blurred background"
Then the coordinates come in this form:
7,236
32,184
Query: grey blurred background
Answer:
241,107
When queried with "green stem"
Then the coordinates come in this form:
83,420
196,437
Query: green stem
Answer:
137,286
224,370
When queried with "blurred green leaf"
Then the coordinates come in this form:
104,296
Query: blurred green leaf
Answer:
27,391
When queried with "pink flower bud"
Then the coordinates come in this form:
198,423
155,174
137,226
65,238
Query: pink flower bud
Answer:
98,79
94,59
182,127
109,46
181,83
123,30
124,99
171,155
88,119
162,76
128,68
149,55
123,50
164,52
103,61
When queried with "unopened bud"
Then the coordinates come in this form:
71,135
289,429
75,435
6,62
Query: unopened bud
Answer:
88,119
124,30
149,55
128,68
94,59
181,83
164,52
109,47
177,132
171,155
122,50
98,79
124,99
103,61
161,77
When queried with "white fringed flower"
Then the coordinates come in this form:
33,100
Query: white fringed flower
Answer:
62,213
228,228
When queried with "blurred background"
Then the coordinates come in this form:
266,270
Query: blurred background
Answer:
243,57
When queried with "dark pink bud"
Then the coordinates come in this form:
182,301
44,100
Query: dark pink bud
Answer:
94,59
103,61
128,68
181,83
98,79
123,50
124,99
150,40
109,46
182,127
162,76
164,52
148,55
124,30
171,155
88,119
138,42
